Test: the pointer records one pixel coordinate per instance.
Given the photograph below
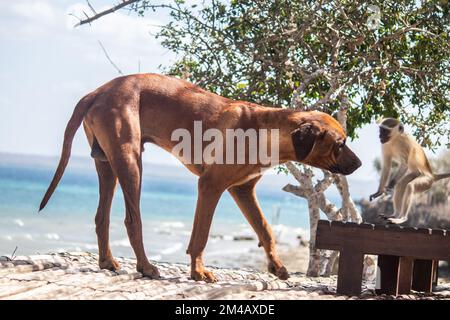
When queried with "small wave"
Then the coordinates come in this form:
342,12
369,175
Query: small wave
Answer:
120,243
19,222
155,257
168,227
90,246
233,251
289,235
174,248
172,224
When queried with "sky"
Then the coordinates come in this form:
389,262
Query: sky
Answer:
47,65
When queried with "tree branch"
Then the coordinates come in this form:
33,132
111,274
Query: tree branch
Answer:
105,12
295,190
109,59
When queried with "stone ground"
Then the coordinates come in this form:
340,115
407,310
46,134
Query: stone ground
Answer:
77,276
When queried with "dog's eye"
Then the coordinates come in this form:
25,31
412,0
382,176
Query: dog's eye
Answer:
339,149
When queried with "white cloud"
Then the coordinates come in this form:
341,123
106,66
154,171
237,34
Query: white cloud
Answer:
35,10
127,38
19,222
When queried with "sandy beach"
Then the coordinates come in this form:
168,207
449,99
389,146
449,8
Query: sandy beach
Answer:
77,276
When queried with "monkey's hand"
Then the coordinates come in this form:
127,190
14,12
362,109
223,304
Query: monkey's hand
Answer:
375,195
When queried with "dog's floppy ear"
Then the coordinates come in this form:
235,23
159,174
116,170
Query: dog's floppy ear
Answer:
303,140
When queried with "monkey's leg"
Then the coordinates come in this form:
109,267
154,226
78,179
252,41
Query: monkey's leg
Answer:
414,187
399,193
397,199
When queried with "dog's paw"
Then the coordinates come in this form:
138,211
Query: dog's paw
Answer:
149,270
203,275
385,216
281,272
109,264
396,220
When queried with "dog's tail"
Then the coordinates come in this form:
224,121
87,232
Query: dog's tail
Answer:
441,176
72,126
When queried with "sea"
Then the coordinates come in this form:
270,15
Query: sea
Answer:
169,195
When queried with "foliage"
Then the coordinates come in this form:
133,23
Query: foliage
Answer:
262,51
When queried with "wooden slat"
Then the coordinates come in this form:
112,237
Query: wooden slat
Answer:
419,244
440,232
324,223
351,225
367,226
424,230
337,223
382,227
408,229
394,227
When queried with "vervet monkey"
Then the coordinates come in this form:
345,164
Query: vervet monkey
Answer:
414,174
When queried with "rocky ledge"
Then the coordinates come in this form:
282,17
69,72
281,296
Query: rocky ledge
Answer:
77,276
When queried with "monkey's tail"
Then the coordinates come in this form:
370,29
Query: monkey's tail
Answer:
441,176
72,126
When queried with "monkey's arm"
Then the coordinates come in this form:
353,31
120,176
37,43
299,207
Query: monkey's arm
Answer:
385,171
400,173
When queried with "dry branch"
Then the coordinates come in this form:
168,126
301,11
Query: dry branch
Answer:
105,12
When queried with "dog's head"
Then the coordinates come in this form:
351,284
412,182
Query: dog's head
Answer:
320,141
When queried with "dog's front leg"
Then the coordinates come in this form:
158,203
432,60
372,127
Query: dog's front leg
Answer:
245,198
208,197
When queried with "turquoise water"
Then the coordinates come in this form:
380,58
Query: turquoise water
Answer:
167,207
21,190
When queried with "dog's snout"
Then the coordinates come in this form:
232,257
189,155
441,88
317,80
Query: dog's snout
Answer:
358,163
347,164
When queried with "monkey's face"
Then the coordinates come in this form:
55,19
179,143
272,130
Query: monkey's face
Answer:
385,135
389,128
321,143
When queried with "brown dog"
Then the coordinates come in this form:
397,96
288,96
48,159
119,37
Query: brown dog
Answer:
128,111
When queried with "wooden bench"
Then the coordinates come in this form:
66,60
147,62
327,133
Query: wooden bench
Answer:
407,257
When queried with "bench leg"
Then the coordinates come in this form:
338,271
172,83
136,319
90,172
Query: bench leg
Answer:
350,272
405,274
395,275
424,274
387,276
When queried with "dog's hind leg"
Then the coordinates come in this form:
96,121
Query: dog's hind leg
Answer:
245,198
107,185
120,138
